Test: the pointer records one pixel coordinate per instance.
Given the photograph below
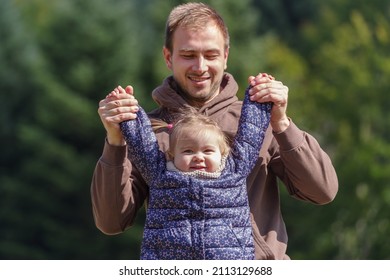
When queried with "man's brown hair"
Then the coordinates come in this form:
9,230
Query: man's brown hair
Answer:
196,16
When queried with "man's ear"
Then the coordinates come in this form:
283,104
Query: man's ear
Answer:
226,55
167,57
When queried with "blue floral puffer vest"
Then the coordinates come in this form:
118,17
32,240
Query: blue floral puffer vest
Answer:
197,218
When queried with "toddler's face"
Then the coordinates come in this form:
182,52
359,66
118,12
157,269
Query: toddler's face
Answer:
193,153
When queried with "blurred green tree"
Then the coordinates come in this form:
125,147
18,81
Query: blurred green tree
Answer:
346,104
64,56
59,58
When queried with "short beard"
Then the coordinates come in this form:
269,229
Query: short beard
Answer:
196,101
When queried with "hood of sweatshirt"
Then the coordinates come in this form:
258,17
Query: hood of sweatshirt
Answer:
166,96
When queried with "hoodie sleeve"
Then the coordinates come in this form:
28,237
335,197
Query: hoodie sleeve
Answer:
304,167
117,191
253,123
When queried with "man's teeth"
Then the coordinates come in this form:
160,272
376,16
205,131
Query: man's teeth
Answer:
198,79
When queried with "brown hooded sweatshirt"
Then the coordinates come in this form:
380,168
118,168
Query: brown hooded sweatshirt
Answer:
295,157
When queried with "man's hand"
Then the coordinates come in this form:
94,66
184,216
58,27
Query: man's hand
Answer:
118,106
266,89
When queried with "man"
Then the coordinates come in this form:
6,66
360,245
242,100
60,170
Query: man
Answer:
196,50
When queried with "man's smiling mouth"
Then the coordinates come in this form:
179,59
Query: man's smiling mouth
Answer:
198,79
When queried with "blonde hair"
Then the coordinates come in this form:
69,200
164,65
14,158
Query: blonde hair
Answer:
196,16
189,121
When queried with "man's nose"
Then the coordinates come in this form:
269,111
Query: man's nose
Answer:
200,64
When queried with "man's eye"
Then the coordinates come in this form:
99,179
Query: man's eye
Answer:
211,57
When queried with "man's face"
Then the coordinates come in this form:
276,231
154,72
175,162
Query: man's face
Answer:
198,62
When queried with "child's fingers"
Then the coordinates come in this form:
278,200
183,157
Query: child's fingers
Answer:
129,90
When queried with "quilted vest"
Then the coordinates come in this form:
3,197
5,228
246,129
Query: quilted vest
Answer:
198,218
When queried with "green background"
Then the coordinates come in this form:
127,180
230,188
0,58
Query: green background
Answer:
59,58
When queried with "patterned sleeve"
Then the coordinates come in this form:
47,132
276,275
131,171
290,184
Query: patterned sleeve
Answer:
253,123
143,149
